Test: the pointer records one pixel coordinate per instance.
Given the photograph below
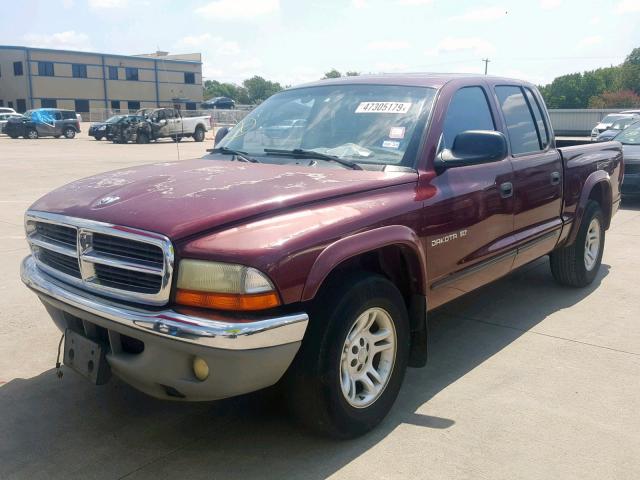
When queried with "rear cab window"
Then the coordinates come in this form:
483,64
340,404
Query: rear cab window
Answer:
524,127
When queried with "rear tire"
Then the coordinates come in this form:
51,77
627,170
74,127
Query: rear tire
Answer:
577,265
14,136
331,387
98,137
198,135
69,133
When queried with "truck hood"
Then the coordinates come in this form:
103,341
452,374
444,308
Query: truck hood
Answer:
180,199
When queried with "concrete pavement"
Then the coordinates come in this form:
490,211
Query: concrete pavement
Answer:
526,379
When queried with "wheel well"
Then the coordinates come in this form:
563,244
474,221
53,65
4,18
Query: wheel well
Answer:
397,263
601,193
402,267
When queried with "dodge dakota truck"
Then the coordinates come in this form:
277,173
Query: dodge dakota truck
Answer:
307,248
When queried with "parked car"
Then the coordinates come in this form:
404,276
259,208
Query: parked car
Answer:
98,130
44,122
616,128
609,120
7,110
311,260
630,140
219,103
636,112
4,117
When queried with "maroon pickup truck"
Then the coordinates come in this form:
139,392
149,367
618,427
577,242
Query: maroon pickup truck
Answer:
307,248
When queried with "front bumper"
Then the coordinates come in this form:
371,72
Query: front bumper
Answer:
242,356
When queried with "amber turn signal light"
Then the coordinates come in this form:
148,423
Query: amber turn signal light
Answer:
227,301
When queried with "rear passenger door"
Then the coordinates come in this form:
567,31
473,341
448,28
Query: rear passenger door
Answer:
537,170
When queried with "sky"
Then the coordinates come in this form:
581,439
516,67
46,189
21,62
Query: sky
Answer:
294,42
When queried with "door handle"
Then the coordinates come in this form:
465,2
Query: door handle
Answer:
555,178
506,189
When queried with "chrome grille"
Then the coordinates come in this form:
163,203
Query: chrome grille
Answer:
120,262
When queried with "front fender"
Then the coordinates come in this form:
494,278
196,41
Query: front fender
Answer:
595,178
360,243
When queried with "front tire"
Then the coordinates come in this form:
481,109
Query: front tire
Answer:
32,134
350,367
142,138
577,265
98,137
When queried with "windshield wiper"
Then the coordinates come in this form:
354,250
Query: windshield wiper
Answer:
239,154
300,153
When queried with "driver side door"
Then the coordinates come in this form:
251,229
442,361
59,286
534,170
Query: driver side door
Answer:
471,212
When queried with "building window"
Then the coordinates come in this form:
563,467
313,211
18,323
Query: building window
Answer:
10,104
131,73
79,70
1,103
190,106
189,77
21,105
115,104
113,73
133,105
49,103
82,106
45,69
17,69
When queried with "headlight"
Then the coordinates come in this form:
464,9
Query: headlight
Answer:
224,286
103,127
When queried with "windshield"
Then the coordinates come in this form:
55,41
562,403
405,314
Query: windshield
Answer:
612,118
622,124
630,136
364,123
114,119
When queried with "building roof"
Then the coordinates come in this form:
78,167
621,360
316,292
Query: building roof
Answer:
178,58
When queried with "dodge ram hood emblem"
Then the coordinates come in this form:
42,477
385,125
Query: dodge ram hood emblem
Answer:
107,200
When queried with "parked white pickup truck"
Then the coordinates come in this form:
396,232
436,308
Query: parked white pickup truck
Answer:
169,122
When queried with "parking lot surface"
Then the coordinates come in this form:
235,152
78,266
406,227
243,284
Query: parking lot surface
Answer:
526,379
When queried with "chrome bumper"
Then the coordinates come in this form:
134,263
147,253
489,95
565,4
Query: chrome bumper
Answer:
245,334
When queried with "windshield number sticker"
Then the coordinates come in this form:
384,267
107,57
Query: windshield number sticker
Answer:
383,107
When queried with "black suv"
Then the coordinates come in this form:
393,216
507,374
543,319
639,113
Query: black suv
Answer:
44,122
219,103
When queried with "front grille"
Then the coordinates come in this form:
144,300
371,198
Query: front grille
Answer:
58,261
115,277
57,233
127,249
123,263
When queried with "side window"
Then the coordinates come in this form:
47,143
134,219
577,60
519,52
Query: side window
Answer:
468,110
537,113
523,134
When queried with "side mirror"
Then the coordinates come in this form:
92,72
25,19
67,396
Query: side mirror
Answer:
473,147
220,134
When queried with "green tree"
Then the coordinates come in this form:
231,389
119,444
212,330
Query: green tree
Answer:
352,74
333,73
259,89
634,57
